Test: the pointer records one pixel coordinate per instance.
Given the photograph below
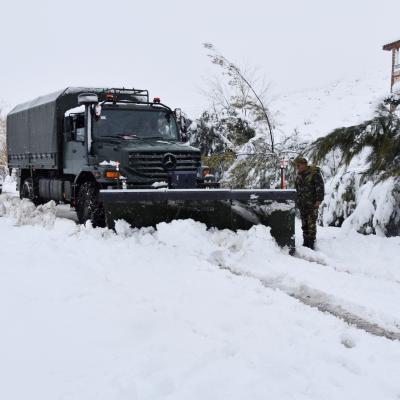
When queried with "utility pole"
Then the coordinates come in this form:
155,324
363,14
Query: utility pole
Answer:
283,173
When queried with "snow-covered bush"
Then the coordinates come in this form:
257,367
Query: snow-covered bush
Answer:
381,134
218,132
362,168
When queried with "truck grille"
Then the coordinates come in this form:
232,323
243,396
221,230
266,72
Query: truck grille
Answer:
158,164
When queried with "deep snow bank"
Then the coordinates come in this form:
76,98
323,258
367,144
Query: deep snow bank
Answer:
88,314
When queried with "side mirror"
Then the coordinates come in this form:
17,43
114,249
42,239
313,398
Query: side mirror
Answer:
87,99
97,111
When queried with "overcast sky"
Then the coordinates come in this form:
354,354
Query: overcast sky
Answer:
48,45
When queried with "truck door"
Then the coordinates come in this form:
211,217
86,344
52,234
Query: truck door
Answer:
74,144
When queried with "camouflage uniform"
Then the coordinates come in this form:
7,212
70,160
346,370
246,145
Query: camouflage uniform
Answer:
310,189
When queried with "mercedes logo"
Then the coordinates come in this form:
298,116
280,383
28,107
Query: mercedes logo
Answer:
169,162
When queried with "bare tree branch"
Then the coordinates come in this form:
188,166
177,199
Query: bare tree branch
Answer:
239,79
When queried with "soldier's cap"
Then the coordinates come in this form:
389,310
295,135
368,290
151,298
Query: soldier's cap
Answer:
300,160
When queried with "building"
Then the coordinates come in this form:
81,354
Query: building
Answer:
394,47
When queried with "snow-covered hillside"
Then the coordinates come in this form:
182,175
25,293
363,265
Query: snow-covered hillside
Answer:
316,112
185,313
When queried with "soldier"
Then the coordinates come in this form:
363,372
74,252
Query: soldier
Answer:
310,193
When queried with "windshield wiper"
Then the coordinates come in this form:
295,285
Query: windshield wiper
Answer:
119,136
155,137
128,136
108,137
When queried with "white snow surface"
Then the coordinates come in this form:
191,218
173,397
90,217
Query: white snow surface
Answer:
345,102
186,313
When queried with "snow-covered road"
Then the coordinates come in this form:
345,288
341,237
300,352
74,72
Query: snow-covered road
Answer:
185,313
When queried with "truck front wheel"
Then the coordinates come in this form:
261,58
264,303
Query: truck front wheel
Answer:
28,191
88,207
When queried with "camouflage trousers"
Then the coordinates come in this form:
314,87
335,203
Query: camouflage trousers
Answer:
309,224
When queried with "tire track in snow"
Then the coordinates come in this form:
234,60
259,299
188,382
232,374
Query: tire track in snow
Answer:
320,300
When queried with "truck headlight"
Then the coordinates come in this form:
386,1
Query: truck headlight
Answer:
112,174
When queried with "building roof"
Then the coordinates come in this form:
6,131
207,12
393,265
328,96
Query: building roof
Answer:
392,45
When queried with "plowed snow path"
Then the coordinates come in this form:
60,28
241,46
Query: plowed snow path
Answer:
86,314
321,301
363,290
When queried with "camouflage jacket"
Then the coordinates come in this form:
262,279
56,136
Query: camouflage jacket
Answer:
310,188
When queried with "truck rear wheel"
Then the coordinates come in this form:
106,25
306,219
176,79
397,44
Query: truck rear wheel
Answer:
88,207
28,191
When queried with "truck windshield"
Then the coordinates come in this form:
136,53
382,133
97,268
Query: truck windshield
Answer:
149,124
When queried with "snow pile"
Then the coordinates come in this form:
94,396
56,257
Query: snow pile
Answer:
10,184
25,212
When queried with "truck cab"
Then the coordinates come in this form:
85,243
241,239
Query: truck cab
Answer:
142,140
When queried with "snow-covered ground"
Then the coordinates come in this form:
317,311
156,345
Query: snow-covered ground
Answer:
186,313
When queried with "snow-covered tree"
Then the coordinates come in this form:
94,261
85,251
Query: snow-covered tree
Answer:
361,164
236,132
242,95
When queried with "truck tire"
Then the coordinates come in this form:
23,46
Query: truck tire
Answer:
28,191
88,207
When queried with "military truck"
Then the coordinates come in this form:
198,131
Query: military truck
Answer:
112,153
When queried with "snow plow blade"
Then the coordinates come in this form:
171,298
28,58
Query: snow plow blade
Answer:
219,208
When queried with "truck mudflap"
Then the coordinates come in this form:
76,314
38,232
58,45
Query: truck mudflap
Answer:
219,208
